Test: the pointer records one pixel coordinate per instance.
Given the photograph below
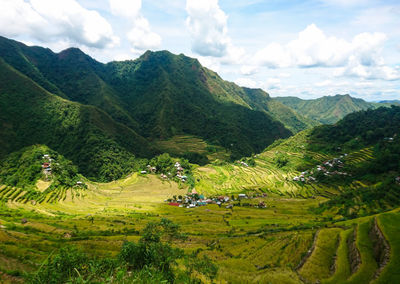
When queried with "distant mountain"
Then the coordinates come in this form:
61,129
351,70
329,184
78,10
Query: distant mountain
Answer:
390,102
260,100
358,130
329,109
157,96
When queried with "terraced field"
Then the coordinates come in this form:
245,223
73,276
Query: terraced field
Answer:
286,242
267,177
355,252
179,144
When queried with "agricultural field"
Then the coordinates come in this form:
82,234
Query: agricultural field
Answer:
180,144
285,242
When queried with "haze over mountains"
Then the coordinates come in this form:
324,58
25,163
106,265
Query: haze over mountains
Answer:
98,114
329,109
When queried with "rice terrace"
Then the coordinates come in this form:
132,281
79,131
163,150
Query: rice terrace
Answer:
124,158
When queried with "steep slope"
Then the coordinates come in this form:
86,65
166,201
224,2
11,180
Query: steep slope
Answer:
329,109
358,130
256,99
69,74
171,95
89,137
260,100
158,95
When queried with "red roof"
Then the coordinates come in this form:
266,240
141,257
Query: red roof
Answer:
173,204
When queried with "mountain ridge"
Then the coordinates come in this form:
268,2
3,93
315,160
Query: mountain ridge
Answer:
328,109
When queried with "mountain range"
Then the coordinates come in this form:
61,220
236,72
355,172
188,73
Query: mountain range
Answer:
105,116
329,109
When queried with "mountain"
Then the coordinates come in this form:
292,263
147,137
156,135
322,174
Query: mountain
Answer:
99,146
390,102
358,130
328,109
260,100
157,96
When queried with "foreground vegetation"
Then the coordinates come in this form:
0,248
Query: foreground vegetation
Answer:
340,226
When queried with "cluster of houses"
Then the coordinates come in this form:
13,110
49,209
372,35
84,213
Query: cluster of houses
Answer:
304,177
328,168
150,169
242,163
46,166
194,199
179,172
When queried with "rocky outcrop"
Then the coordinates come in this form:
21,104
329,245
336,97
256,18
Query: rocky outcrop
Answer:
381,247
354,253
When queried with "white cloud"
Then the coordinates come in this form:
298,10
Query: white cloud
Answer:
249,69
273,83
285,75
247,82
50,21
140,35
207,25
382,72
126,8
312,48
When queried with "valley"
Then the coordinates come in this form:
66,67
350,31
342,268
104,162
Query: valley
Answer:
156,170
286,242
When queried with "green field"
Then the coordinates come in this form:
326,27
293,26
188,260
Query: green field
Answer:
286,242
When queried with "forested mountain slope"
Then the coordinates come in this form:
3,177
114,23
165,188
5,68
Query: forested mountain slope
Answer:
86,135
328,109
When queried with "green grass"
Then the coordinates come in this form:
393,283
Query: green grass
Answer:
318,265
389,224
178,145
342,265
368,266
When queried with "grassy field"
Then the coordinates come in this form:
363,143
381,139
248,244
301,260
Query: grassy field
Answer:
180,144
286,242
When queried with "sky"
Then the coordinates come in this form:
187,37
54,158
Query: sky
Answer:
306,49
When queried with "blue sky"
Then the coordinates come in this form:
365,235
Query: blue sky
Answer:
288,48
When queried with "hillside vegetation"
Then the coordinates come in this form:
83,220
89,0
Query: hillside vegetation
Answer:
100,147
328,109
334,229
158,171
158,96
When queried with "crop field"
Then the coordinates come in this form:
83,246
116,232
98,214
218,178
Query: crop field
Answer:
180,144
286,242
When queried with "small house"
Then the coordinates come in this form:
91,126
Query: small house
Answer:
143,172
242,195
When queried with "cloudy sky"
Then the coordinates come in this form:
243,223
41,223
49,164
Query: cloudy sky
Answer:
305,48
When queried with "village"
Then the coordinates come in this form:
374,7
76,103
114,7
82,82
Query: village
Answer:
193,199
328,168
48,170
178,168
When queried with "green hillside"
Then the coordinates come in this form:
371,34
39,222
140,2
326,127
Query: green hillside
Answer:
329,109
334,229
160,95
100,147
